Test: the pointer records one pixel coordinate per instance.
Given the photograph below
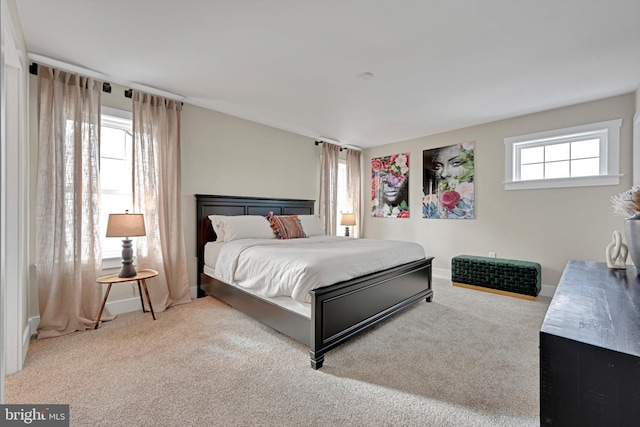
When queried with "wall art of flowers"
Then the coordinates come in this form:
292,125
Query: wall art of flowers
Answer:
390,186
447,182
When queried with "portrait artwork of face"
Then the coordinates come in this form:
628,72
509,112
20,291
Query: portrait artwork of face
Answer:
448,163
448,186
390,186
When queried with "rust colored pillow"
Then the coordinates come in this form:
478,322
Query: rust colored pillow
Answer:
286,226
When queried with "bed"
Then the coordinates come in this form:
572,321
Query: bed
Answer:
339,311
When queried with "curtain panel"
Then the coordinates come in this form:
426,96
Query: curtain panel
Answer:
327,201
157,195
354,191
68,249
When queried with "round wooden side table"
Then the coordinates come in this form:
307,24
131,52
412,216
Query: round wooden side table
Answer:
141,278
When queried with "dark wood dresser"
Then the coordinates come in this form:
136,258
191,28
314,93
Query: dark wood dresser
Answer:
590,349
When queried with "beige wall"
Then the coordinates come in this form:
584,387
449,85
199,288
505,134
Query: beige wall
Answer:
547,226
225,155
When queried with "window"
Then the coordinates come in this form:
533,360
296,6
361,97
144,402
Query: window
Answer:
116,191
341,204
586,155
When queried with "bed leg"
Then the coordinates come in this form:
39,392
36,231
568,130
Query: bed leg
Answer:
316,362
429,298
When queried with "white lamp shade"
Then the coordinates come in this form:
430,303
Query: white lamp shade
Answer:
348,219
125,225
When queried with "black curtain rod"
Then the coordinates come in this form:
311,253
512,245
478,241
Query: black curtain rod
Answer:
106,87
341,148
128,93
33,69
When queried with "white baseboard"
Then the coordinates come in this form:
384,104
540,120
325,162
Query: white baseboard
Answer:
545,290
114,307
26,338
548,291
33,325
441,273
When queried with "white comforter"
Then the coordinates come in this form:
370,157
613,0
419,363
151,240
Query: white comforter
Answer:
294,267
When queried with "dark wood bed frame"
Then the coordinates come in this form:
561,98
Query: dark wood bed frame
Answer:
338,312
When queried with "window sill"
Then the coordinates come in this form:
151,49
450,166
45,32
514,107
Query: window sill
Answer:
586,181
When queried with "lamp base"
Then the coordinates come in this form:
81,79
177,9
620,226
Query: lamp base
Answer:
127,270
346,231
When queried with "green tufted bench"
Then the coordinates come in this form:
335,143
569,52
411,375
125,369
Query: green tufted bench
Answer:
503,276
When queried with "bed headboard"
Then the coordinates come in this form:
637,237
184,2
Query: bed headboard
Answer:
239,205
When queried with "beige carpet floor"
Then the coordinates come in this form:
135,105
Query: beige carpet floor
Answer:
468,358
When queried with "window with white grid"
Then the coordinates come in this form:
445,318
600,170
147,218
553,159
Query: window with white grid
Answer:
586,155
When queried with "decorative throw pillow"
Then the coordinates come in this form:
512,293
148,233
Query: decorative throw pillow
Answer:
286,227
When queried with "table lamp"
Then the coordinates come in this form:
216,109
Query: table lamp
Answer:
347,219
126,225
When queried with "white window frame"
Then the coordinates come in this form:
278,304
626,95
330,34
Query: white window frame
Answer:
120,119
609,134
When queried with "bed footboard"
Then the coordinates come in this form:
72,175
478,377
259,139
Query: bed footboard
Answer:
338,312
344,310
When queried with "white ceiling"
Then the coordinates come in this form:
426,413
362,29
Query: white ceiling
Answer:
294,65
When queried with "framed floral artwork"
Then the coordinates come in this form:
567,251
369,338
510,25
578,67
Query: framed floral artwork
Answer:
447,182
390,186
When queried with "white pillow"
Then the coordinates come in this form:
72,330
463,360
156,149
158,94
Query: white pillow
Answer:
217,222
246,227
311,225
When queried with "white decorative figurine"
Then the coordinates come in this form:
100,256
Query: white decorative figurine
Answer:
617,252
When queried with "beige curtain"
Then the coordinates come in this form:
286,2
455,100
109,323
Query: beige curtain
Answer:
329,187
354,191
68,249
157,195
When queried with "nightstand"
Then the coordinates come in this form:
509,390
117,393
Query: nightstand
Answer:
141,278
